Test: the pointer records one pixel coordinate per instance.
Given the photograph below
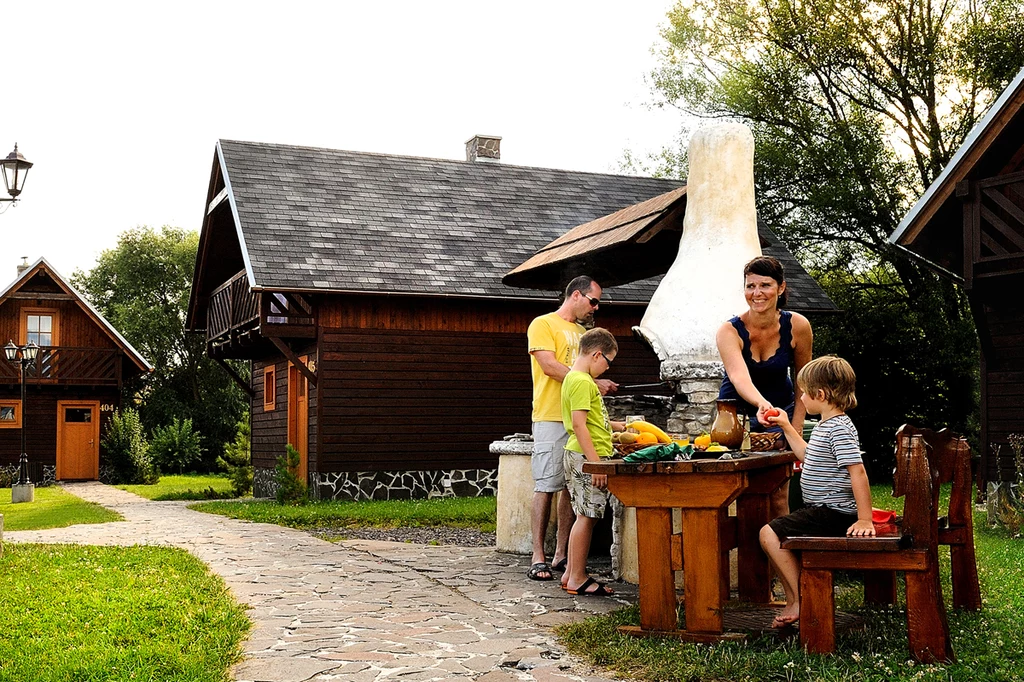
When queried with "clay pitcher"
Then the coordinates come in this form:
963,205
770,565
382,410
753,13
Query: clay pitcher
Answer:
727,429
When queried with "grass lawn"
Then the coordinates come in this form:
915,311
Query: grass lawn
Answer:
989,645
184,487
70,612
53,508
460,512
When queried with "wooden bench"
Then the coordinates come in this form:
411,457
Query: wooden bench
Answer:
911,547
949,458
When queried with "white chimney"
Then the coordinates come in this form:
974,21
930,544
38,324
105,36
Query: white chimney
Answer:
704,286
483,148
23,265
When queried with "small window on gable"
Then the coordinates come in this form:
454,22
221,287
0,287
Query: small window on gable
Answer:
10,414
269,389
39,326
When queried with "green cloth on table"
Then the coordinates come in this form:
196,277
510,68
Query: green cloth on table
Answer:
667,452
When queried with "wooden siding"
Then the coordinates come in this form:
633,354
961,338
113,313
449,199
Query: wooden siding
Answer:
76,328
398,400
270,427
420,383
1003,389
420,313
41,420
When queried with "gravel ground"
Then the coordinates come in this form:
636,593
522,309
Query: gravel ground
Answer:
435,535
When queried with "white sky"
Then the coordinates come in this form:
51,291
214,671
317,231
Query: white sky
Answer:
119,105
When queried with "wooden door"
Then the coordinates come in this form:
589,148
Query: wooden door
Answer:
78,439
298,417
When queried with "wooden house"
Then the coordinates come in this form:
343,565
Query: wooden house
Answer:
969,226
366,290
74,385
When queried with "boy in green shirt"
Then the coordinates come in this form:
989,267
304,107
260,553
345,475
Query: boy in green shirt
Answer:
590,439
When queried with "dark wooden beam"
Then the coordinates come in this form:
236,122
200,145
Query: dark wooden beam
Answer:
293,358
30,295
971,231
242,383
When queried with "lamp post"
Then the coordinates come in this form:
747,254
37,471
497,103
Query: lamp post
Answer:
15,170
23,491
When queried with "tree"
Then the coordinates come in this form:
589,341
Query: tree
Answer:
856,106
142,287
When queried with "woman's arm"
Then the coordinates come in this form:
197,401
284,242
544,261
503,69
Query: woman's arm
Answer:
794,436
730,348
803,351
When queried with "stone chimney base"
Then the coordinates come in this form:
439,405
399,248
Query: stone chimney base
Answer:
697,385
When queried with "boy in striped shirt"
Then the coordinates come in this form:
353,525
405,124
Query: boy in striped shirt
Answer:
834,482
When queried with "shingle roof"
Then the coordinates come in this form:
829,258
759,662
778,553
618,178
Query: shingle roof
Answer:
323,219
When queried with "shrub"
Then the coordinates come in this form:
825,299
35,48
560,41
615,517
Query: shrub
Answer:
127,451
176,445
290,490
237,460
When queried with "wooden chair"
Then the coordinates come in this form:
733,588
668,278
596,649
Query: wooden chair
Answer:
910,547
949,458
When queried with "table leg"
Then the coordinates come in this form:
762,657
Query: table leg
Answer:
654,564
752,512
702,565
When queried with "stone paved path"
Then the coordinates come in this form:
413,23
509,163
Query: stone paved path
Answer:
360,610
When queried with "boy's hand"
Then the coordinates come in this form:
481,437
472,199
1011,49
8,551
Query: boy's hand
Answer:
773,416
599,481
861,529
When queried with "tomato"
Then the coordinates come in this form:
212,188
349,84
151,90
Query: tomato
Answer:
774,412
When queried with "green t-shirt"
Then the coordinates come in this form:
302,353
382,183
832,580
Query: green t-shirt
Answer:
579,392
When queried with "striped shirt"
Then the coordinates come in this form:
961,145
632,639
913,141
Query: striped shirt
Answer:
825,481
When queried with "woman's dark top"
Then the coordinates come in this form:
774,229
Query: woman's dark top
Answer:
771,377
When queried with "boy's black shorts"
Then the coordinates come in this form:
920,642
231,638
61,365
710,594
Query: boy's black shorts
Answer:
813,521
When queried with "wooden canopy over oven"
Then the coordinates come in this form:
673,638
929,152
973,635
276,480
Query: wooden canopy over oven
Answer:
640,242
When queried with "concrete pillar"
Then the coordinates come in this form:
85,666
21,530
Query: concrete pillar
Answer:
515,500
23,493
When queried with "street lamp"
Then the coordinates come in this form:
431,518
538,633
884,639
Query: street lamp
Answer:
15,169
26,355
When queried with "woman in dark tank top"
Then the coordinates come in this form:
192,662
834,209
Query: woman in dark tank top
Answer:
763,348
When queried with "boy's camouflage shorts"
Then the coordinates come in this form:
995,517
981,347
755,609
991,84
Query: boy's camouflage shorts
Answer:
586,499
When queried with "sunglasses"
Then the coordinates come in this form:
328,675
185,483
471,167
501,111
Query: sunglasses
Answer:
606,359
594,302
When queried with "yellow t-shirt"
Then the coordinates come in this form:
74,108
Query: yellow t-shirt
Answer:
550,332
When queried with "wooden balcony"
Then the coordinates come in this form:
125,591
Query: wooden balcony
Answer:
240,322
233,308
68,366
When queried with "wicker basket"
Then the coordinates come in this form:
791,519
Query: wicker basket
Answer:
623,449
762,442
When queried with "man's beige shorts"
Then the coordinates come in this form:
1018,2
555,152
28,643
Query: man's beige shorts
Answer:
549,439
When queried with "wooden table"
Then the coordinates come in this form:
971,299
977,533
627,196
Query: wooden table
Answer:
703,490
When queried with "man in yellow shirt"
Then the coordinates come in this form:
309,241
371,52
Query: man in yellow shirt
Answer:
554,341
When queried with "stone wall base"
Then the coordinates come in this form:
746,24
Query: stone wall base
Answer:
387,485
11,472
